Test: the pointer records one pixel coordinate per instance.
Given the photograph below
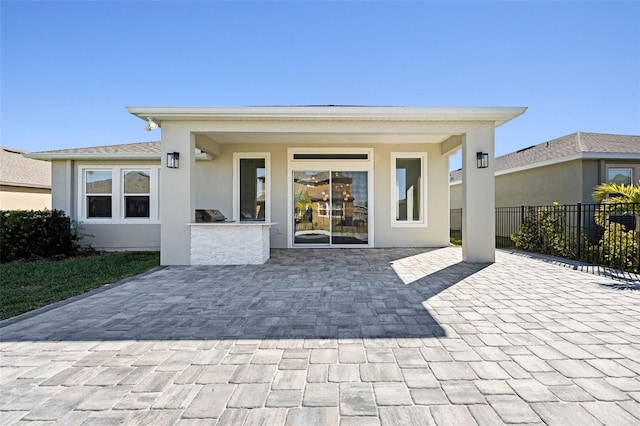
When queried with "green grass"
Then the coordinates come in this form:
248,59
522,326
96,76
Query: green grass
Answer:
27,286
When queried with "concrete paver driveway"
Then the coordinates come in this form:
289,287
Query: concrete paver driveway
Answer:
351,337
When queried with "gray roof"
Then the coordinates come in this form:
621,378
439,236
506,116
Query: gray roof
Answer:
16,170
126,148
565,146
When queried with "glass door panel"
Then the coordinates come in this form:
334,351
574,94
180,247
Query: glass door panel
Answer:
349,224
311,207
330,207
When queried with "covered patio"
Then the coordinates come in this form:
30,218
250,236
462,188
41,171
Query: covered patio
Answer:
358,336
397,156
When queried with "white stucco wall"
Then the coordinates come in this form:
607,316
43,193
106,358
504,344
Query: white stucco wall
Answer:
213,189
101,236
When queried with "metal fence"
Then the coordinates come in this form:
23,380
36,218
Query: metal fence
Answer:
602,234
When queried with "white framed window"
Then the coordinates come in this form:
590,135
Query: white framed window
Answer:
118,194
251,187
136,189
98,185
408,189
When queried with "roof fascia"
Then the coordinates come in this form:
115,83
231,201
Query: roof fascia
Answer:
92,156
106,156
26,185
577,156
498,115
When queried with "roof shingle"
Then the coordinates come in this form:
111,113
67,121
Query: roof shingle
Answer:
17,170
575,143
127,148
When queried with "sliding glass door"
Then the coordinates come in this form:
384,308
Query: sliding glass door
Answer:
330,208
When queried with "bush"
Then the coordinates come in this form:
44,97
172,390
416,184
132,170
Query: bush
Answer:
543,231
619,245
29,234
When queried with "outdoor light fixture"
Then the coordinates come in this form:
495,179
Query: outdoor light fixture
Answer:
150,124
173,160
483,160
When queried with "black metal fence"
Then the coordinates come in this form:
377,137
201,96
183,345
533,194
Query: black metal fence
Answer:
602,234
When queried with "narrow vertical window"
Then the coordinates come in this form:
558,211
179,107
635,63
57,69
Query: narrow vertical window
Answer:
98,189
253,189
137,190
408,189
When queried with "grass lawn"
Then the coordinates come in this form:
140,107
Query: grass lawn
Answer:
27,286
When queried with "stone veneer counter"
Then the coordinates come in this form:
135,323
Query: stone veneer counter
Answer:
230,243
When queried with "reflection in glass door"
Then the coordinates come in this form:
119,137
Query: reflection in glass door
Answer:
330,207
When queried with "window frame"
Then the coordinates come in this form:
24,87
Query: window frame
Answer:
615,167
85,198
118,204
237,156
422,223
124,194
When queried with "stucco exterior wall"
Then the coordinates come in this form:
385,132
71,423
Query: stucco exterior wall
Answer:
567,183
455,195
591,177
120,237
213,189
562,183
24,198
103,236
63,188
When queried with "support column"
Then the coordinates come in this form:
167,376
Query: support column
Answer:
177,200
478,196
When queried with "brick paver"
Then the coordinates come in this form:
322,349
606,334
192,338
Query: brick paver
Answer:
349,337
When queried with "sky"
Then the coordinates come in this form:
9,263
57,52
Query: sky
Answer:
68,69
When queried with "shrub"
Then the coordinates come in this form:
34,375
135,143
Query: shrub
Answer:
619,245
543,231
28,234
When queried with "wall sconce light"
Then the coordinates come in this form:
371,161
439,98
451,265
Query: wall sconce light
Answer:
482,159
150,124
173,160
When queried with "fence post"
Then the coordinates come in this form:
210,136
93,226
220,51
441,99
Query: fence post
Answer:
521,214
579,225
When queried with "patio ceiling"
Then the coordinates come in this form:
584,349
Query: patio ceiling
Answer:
319,138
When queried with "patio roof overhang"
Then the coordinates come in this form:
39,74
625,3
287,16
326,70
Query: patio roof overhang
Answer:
329,124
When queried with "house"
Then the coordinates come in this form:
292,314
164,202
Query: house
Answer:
25,184
286,177
563,170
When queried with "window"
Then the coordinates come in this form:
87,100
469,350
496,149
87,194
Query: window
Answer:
119,194
620,175
408,188
137,190
251,187
99,187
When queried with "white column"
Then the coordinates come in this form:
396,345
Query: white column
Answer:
177,200
478,196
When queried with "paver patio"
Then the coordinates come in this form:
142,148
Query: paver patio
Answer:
350,337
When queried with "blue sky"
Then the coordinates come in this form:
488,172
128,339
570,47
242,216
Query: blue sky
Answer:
68,69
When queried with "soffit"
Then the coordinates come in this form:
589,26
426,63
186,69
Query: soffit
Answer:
320,138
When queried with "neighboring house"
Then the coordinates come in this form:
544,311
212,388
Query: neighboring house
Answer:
25,184
563,170
289,177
